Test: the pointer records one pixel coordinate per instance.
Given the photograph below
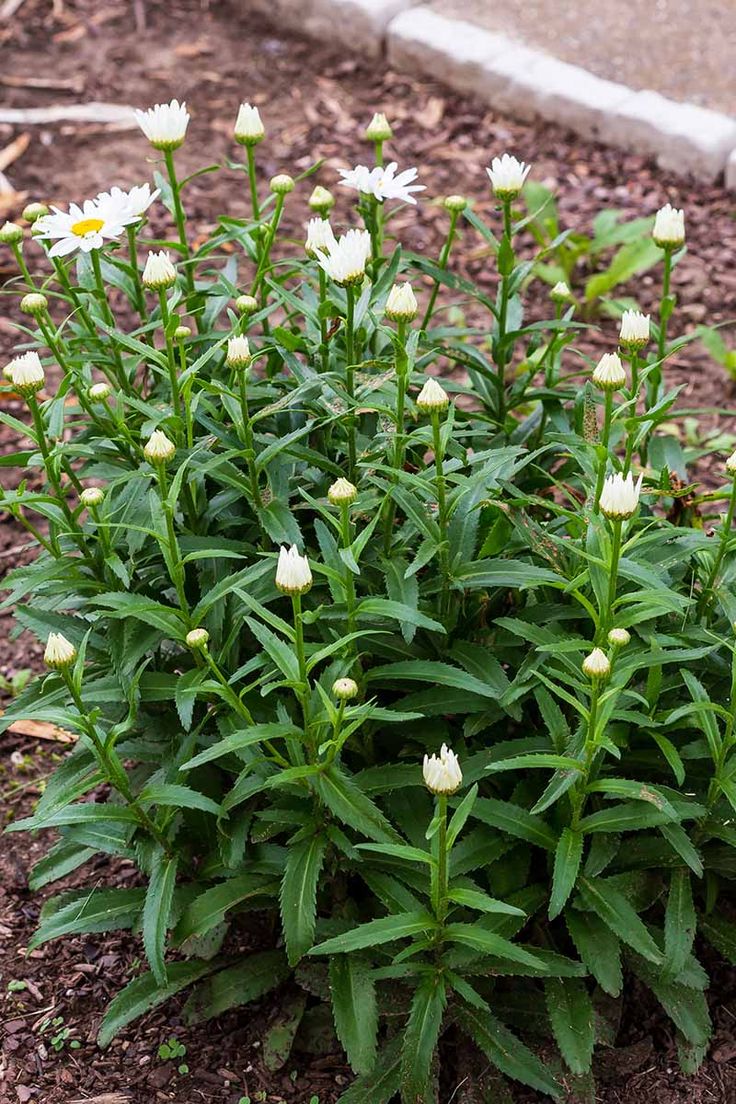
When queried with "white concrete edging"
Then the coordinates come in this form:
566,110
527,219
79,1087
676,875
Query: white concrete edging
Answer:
524,82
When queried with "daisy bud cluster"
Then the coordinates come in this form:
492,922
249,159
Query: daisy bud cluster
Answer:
620,496
442,774
293,575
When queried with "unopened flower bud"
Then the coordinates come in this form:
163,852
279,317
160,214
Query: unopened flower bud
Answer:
442,774
669,227
282,184
344,689
181,333
609,373
401,305
320,237
98,392
731,464
634,329
620,496
597,665
249,128
321,201
293,575
342,492
60,652
27,374
165,125
561,293
159,273
197,638
507,176
455,203
11,233
158,448
32,212
432,398
238,352
378,129
246,304
619,638
92,496
34,303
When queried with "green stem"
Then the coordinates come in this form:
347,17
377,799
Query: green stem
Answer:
441,511
604,623
402,379
323,347
186,393
501,354
350,376
140,299
347,540
176,569
603,462
255,206
170,358
268,245
590,748
51,473
231,697
655,377
440,887
180,219
250,453
304,691
20,261
442,263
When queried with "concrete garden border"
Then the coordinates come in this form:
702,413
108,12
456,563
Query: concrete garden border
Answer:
524,82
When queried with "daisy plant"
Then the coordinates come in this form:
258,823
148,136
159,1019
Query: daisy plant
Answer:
410,631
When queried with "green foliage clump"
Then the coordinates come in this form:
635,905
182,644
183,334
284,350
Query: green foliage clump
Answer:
295,536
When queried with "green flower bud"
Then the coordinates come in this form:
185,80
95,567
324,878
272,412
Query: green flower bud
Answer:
282,184
34,303
11,234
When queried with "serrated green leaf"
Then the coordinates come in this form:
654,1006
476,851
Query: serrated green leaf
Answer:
421,1037
572,1017
567,864
156,911
298,896
354,1009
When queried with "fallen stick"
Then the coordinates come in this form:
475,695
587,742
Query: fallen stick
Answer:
9,8
119,115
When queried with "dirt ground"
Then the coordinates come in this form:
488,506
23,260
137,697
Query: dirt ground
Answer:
315,103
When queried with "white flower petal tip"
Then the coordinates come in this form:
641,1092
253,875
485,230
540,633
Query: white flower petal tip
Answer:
133,204
320,237
249,128
59,653
158,448
597,665
634,329
383,182
238,352
433,398
159,273
620,496
346,259
401,305
609,373
507,176
164,125
442,774
669,227
293,575
26,373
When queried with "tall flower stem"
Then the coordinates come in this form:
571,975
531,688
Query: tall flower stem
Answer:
250,453
724,537
654,380
441,871
140,299
589,750
605,437
439,456
186,393
350,375
304,691
265,258
346,536
323,347
255,205
604,623
52,475
229,694
180,219
402,380
506,265
21,262
108,316
170,357
442,263
175,564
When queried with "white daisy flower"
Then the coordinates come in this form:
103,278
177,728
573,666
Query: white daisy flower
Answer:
164,125
136,202
346,259
669,226
159,272
620,496
382,182
86,227
249,128
293,575
320,237
507,175
442,774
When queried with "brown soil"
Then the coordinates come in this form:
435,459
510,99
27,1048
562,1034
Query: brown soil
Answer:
315,103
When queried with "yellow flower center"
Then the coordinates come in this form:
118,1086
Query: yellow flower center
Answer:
87,226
